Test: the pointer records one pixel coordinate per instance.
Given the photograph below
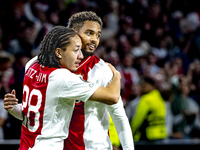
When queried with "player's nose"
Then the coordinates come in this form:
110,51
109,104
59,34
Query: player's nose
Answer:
80,55
94,39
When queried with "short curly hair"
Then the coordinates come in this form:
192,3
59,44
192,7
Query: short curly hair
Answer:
77,20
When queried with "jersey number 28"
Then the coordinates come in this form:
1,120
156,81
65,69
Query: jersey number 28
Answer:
31,104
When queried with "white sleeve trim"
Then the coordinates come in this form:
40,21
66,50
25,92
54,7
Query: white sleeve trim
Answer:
17,111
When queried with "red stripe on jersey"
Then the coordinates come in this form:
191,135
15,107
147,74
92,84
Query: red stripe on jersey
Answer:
35,79
76,129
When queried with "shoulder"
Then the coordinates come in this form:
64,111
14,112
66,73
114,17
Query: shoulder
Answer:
62,73
146,97
102,64
97,61
98,65
64,78
152,97
31,62
94,57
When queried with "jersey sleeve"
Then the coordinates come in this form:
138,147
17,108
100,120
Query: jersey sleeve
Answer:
71,86
118,115
3,112
117,111
17,111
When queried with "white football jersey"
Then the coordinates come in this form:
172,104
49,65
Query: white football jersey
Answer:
49,96
90,121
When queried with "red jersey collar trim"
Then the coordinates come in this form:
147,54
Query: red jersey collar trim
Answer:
84,61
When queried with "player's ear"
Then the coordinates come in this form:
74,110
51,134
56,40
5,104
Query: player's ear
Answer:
58,52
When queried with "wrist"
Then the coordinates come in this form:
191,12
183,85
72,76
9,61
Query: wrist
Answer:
10,111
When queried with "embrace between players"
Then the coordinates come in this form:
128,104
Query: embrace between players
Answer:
62,110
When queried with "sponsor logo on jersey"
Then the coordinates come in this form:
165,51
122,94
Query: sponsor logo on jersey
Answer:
91,85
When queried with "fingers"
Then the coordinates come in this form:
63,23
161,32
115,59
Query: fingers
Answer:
9,101
8,105
118,73
8,108
13,92
111,67
9,96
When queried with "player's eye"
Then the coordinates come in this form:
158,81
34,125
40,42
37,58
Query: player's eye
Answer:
76,50
89,33
98,35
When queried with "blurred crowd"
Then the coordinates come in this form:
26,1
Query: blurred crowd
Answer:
159,39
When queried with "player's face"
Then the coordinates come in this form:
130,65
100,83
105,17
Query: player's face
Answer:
90,34
72,56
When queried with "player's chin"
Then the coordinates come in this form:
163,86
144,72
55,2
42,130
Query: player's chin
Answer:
74,70
88,50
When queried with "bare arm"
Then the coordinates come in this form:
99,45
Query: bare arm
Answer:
111,93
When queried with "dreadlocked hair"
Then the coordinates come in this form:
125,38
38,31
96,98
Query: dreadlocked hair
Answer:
58,37
77,20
